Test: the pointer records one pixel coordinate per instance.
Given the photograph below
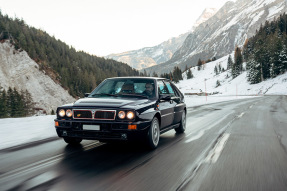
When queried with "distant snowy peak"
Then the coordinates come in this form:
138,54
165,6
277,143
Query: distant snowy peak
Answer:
230,26
150,56
205,15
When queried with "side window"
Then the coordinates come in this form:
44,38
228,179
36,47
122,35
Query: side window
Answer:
176,91
169,88
162,89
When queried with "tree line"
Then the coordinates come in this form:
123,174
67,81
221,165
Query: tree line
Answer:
15,104
266,52
76,71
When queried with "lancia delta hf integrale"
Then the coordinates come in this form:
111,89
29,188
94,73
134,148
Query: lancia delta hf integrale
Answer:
124,108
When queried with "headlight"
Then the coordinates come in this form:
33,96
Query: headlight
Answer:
130,115
62,113
69,113
121,114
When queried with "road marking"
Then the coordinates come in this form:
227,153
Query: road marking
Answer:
197,136
216,151
239,116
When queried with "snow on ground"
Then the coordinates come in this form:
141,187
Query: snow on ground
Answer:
17,131
205,81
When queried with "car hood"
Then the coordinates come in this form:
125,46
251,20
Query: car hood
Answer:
109,102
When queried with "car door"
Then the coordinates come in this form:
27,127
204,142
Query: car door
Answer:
179,106
166,106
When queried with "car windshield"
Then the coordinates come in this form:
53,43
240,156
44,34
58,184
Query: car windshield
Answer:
125,87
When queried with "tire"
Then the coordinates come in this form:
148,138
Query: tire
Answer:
72,140
182,125
153,134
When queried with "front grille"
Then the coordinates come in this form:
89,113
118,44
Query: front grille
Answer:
105,115
82,114
94,114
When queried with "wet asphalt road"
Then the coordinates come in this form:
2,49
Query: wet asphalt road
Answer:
235,145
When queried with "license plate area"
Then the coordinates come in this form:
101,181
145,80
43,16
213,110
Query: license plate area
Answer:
91,127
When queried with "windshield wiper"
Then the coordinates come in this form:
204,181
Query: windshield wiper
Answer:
106,94
135,95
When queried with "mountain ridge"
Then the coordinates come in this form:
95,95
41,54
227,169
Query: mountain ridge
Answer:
218,36
152,56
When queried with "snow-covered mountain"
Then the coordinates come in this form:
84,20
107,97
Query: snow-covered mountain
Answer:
151,56
219,35
205,15
18,70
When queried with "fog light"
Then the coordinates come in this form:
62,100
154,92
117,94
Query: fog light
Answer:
124,136
64,133
132,127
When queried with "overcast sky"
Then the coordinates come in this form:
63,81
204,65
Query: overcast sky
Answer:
102,27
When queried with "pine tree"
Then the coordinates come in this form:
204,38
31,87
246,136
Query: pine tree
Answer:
154,74
3,104
199,64
238,63
29,104
219,68
177,74
215,70
217,83
254,73
276,64
189,74
10,102
283,60
229,63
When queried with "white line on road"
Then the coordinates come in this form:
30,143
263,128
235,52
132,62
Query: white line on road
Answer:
239,116
216,151
197,136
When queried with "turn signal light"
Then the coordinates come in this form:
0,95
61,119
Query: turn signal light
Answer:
56,123
132,127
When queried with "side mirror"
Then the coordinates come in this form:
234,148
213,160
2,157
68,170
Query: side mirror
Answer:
164,97
87,94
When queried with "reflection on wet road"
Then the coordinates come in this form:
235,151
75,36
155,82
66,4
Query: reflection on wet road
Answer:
236,145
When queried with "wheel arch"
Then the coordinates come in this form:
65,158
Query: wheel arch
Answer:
158,116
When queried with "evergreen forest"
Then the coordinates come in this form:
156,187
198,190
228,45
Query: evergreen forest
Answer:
266,52
15,104
76,71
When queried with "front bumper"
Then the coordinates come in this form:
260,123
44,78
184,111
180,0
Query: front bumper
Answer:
109,130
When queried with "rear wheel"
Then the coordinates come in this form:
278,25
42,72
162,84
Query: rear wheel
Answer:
72,140
153,134
182,125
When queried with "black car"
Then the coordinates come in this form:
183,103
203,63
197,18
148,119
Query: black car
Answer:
124,108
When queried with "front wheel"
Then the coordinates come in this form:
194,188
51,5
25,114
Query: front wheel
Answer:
182,125
72,140
153,134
